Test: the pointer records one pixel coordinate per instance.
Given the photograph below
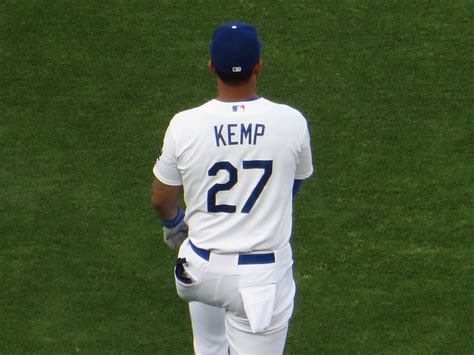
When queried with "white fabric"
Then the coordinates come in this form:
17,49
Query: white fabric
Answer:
211,291
243,342
233,132
211,337
208,329
258,303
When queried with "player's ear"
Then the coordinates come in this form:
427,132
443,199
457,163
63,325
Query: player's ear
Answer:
258,67
211,67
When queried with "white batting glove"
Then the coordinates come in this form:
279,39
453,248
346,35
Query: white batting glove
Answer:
175,231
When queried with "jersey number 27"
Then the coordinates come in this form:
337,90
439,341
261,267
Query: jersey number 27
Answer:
265,165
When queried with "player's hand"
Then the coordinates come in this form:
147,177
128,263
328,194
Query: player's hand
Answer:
175,231
175,236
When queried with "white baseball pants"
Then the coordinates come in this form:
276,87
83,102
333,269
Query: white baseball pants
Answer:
241,306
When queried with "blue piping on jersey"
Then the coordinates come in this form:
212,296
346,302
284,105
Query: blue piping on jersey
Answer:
296,187
253,98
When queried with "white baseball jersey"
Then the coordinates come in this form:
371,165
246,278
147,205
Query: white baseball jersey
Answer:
237,162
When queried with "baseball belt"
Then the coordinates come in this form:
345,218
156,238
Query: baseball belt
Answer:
244,259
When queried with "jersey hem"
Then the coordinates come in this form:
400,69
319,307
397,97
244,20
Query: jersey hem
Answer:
304,176
166,181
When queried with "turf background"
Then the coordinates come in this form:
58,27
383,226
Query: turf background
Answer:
384,231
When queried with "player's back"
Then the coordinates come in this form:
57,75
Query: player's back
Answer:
238,162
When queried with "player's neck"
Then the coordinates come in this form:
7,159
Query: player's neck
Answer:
236,93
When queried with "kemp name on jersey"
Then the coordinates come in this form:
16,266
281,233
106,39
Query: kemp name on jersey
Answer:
234,134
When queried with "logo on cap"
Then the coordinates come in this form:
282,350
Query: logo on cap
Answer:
236,69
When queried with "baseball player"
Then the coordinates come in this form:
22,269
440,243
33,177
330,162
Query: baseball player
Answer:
239,159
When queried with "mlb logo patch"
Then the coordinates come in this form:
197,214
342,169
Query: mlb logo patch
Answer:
238,108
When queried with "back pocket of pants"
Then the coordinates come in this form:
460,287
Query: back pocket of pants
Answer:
259,301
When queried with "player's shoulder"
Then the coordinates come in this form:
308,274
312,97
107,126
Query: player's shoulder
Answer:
187,115
189,112
285,110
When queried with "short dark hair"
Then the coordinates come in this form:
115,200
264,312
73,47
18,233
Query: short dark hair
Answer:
234,79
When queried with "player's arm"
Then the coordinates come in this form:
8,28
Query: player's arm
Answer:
165,201
304,169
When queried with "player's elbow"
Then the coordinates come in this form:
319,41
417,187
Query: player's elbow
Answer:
164,197
164,207
156,202
160,201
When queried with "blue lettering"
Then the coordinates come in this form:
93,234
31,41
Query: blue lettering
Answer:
218,135
245,133
231,133
259,131
249,133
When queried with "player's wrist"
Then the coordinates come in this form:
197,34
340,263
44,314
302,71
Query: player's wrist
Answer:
175,221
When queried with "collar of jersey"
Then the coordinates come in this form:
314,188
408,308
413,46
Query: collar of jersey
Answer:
253,98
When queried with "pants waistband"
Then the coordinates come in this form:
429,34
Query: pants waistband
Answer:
243,259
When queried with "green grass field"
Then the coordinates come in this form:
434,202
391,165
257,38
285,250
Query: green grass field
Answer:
383,238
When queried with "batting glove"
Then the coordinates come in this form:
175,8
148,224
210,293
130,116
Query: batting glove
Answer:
175,231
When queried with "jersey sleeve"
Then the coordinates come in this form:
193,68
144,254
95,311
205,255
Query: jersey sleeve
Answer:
166,167
304,169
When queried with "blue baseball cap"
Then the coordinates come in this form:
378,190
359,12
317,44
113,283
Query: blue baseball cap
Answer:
235,48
